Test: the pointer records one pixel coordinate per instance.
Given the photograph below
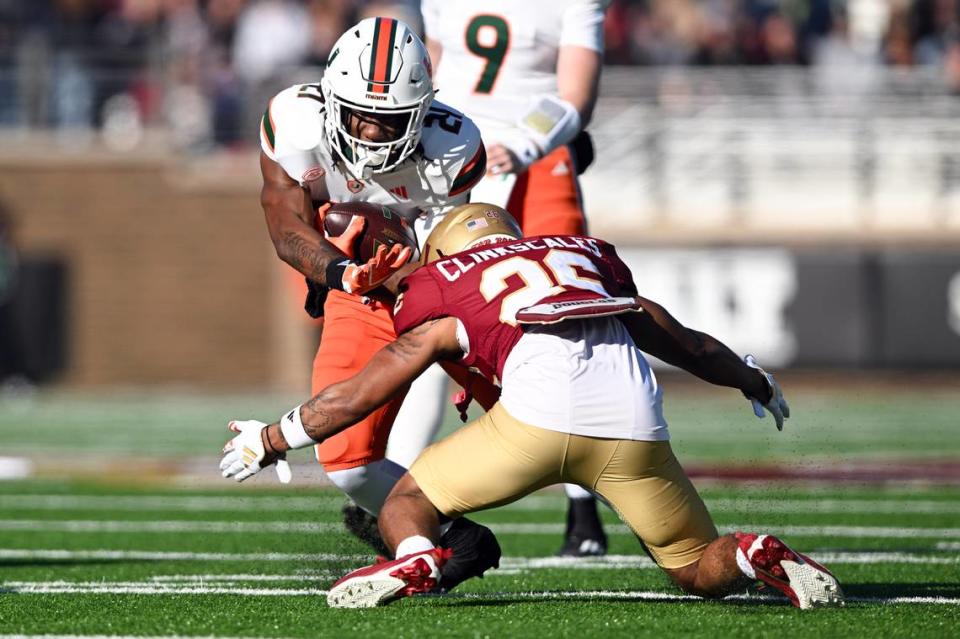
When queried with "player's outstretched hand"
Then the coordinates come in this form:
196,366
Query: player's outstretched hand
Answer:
363,278
245,455
777,406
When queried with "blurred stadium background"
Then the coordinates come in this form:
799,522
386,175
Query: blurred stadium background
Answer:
783,174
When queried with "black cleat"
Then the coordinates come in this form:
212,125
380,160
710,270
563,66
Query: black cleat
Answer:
363,526
575,546
584,536
475,550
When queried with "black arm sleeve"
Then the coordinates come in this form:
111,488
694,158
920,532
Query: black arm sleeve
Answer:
316,296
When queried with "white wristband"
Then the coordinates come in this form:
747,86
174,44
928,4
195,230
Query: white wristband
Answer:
293,431
549,122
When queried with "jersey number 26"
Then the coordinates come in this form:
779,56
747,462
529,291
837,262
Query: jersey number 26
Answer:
555,274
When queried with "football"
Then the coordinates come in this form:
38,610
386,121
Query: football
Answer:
384,227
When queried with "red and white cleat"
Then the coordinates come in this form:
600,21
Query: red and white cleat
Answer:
386,581
805,582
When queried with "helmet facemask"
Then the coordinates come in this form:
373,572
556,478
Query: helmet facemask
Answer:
364,157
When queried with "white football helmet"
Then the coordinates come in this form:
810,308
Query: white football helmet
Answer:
379,70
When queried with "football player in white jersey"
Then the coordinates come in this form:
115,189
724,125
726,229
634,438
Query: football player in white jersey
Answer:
371,131
527,73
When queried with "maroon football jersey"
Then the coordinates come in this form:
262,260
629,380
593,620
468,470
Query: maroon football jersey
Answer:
542,279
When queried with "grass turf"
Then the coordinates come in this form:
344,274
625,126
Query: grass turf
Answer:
137,559
611,598
713,425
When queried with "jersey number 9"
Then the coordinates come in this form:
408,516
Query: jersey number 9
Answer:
493,53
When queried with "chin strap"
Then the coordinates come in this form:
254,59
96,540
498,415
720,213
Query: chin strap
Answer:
362,169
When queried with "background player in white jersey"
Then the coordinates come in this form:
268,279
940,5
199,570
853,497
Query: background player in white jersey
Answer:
368,131
527,73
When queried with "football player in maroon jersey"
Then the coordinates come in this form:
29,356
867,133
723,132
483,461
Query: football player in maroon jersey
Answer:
556,321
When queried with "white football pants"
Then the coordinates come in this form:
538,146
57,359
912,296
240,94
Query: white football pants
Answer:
420,417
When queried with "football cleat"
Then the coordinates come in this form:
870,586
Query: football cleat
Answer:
584,536
387,581
475,550
574,546
805,582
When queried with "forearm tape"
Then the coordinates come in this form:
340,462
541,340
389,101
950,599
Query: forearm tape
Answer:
549,123
293,431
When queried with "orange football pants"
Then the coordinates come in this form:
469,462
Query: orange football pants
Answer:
352,333
546,197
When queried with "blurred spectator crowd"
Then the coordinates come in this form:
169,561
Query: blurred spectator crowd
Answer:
900,33
205,68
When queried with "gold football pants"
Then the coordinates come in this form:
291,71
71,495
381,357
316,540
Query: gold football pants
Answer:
496,460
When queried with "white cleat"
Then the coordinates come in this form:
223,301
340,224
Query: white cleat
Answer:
805,582
813,584
388,581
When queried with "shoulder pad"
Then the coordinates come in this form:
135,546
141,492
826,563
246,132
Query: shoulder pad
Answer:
451,142
293,121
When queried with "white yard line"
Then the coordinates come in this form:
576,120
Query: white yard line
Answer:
554,528
799,531
276,503
948,545
147,555
169,526
641,561
146,588
312,576
665,596
172,503
510,563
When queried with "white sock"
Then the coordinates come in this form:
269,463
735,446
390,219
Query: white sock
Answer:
576,492
415,544
743,558
744,565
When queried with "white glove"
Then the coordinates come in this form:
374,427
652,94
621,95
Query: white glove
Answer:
777,406
242,454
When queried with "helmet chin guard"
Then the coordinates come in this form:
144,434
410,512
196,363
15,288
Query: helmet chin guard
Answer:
379,70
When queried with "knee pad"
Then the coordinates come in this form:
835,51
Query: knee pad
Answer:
368,485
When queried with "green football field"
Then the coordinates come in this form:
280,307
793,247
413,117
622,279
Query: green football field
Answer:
130,553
